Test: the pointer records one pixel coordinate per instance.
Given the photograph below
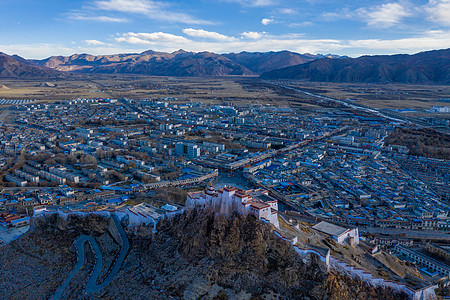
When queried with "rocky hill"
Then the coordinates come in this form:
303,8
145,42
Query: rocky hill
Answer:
18,67
182,64
432,67
179,63
191,256
260,62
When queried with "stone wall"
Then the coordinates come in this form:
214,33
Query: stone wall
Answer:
333,263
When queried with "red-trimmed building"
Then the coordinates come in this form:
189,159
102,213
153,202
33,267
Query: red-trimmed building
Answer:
224,201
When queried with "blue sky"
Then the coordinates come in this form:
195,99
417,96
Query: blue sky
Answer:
41,28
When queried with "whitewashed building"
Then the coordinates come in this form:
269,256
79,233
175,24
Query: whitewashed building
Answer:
225,201
338,233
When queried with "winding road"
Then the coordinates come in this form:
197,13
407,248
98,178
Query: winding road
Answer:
342,102
92,286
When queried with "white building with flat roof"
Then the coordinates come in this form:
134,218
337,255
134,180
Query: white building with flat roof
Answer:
140,214
424,260
338,233
20,182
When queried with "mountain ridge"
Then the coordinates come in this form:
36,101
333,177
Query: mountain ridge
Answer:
179,63
18,67
428,67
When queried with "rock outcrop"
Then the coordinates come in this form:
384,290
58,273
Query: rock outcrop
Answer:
193,255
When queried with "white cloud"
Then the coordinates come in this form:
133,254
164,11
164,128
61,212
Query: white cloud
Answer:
263,2
254,3
293,42
40,51
159,41
94,42
168,42
301,24
106,19
381,16
345,13
129,6
287,11
154,10
36,51
430,40
208,34
438,11
151,38
253,35
267,21
385,15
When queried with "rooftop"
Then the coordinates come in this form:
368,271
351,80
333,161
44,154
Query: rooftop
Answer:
259,205
330,229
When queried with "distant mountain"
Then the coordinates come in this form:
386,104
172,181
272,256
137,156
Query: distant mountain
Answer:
87,62
261,62
179,63
18,67
432,67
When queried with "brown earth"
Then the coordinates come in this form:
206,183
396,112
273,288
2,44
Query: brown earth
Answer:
191,256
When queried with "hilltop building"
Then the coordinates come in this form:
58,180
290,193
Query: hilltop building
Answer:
338,233
225,201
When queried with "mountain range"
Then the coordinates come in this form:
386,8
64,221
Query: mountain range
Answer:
432,67
18,67
178,63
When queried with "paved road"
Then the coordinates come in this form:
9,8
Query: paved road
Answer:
345,103
92,286
81,260
408,233
395,117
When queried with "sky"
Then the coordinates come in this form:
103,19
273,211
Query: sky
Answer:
42,28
